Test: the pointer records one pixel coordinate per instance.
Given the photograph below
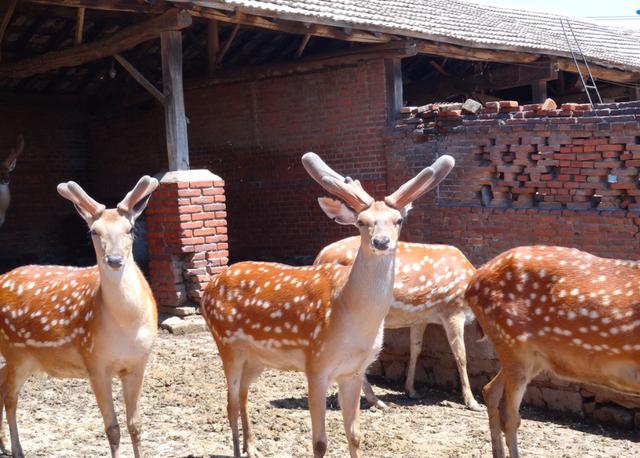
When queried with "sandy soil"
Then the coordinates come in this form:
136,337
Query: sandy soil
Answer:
184,416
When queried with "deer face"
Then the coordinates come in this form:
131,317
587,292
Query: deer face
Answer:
6,167
112,236
112,229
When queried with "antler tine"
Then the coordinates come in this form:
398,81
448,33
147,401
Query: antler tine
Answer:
426,180
145,186
73,192
347,189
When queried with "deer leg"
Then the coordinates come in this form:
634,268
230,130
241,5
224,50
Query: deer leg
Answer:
371,397
454,327
250,373
3,439
492,394
516,380
416,334
349,396
101,385
131,388
318,408
233,371
14,378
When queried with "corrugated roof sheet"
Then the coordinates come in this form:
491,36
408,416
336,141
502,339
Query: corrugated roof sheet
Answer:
459,22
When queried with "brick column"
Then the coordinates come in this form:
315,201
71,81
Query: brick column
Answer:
187,234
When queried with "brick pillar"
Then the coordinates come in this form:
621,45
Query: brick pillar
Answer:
187,234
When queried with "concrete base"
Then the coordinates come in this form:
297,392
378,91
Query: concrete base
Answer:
180,326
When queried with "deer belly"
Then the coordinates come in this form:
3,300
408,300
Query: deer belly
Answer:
403,315
65,362
284,359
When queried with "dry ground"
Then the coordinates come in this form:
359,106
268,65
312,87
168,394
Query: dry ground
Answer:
184,416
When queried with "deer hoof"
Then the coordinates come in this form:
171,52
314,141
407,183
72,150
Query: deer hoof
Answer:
473,405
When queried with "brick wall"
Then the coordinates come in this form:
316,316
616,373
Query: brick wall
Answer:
511,149
41,226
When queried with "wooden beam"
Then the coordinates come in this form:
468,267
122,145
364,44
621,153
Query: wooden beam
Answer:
227,44
174,112
6,18
439,68
393,72
394,49
79,25
139,77
600,72
467,53
508,76
81,54
303,44
213,45
107,5
298,28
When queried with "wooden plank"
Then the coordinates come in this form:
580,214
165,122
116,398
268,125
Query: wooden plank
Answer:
139,77
508,76
395,49
107,5
227,44
213,45
79,25
303,44
600,72
174,112
6,18
298,28
80,54
467,53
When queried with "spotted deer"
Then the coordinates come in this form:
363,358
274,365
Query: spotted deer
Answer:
430,281
556,309
97,322
324,320
6,167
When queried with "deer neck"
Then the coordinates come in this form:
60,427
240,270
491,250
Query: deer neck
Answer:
368,292
124,294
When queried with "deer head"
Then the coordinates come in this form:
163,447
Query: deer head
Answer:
6,167
111,229
379,222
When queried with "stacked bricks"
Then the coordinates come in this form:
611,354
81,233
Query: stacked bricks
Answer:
187,234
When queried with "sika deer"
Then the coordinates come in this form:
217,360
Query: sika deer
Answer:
6,167
556,309
326,320
96,322
430,281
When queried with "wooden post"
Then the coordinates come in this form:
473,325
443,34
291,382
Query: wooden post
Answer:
394,88
213,45
539,91
79,25
174,113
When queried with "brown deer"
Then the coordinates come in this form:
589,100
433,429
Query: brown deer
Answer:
6,167
326,320
430,281
97,322
556,309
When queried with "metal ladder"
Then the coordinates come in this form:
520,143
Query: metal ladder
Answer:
586,86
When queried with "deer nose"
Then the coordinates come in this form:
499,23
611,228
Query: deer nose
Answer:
115,262
381,242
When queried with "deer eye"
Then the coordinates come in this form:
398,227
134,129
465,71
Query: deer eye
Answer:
130,230
360,223
399,221
93,232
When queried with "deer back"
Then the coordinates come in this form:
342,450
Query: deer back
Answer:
275,304
577,313
48,306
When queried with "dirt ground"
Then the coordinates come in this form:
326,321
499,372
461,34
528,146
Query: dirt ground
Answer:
184,415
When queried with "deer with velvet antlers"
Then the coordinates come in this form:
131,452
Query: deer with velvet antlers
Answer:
6,168
556,309
97,322
324,320
429,287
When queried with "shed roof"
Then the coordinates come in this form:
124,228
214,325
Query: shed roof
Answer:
458,22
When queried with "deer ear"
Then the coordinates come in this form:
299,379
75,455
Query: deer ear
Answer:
337,211
12,165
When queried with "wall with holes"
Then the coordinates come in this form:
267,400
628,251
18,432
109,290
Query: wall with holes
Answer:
524,176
